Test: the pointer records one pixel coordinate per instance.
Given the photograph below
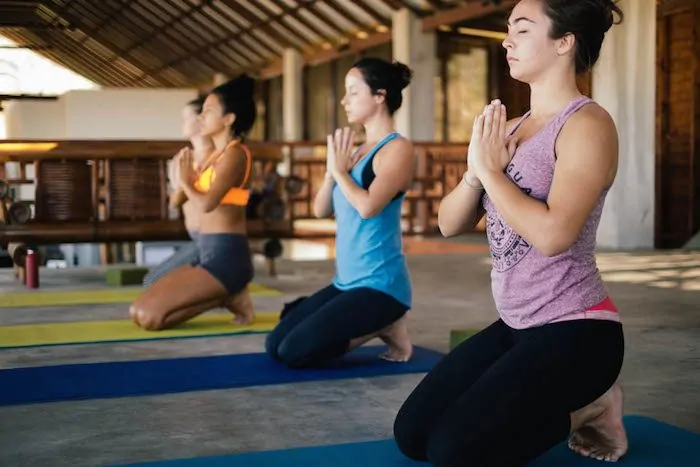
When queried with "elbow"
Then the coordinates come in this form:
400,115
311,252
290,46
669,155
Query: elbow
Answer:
554,243
447,232
320,214
367,211
208,206
447,229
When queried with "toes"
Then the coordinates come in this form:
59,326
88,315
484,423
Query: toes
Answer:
389,358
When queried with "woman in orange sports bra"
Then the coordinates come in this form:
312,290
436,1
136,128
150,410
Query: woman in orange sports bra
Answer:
202,146
219,190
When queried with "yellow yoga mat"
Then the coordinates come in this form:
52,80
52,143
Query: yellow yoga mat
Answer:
92,297
84,332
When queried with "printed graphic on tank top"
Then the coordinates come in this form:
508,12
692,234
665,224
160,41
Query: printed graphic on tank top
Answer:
530,289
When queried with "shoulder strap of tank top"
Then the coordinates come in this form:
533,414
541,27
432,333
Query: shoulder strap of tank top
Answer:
373,152
574,106
518,123
368,171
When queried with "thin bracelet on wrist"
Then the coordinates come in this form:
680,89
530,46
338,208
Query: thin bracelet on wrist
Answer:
473,187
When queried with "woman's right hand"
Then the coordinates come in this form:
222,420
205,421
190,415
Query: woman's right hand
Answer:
330,156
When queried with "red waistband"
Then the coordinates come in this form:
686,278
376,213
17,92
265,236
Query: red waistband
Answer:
606,305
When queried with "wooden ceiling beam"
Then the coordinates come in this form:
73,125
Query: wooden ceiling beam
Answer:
204,31
107,43
252,18
306,23
354,46
214,44
267,12
373,13
347,14
463,13
157,31
227,17
326,19
397,5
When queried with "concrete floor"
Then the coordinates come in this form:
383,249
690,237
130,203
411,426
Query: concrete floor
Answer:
658,295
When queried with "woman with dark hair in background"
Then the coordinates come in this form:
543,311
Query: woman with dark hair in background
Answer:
219,191
547,370
371,291
201,147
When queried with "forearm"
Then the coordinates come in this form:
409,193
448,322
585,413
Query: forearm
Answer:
357,196
323,203
200,200
459,211
178,198
529,217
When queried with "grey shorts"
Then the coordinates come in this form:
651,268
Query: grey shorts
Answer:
228,258
185,255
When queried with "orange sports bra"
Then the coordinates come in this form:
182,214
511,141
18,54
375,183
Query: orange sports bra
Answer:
238,195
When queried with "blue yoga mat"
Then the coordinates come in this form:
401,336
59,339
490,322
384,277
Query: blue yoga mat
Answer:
138,378
652,444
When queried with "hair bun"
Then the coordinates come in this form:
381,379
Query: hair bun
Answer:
242,85
611,9
403,74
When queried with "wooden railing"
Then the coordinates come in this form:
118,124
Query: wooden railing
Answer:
99,191
117,191
439,168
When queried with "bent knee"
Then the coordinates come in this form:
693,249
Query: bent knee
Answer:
271,345
447,448
149,320
410,437
292,355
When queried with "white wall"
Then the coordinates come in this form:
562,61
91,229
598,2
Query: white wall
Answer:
134,114
34,119
125,113
624,83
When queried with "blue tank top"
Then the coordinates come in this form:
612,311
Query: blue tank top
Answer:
369,252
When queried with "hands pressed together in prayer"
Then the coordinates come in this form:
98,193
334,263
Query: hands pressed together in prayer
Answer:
185,166
339,156
490,150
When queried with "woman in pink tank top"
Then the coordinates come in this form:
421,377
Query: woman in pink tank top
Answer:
546,371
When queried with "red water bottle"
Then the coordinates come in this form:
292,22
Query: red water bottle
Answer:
31,270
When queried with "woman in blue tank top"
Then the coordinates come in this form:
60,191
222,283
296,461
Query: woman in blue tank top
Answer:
371,291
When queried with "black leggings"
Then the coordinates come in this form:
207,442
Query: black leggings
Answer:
505,396
313,330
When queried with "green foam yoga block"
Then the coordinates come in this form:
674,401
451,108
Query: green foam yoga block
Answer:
457,336
126,276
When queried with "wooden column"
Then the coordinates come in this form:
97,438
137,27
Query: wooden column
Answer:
677,121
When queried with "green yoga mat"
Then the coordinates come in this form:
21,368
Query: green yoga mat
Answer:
92,297
123,330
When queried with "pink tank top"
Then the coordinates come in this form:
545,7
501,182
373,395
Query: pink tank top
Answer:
530,289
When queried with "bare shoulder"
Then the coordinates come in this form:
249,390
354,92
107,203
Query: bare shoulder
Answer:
592,122
400,145
235,154
398,149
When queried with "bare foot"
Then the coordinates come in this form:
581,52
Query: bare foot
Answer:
601,434
397,338
241,305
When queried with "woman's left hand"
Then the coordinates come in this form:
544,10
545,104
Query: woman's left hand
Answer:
487,149
185,165
343,142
